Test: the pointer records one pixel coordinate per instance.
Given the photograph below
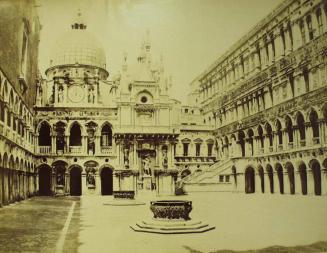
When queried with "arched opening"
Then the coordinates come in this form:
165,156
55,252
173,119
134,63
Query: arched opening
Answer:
270,174
106,181
289,129
269,134
279,133
316,174
261,138
249,180
301,126
45,135
303,177
250,141
75,138
45,180
290,172
106,136
60,136
279,170
185,173
241,141
313,117
75,181
262,178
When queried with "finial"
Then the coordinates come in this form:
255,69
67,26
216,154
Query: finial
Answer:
78,23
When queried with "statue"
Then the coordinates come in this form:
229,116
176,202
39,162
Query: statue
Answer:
164,157
146,166
60,176
60,94
126,156
90,176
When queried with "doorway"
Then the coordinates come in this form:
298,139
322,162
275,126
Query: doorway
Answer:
75,181
106,181
45,181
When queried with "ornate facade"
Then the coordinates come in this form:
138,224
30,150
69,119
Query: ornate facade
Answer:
97,135
266,97
19,39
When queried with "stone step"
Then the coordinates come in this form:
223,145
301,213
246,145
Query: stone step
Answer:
173,231
171,227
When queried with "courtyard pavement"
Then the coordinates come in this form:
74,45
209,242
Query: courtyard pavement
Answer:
86,224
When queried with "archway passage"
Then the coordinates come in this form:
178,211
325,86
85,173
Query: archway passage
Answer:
279,170
45,181
271,178
249,180
106,181
291,177
316,173
75,181
262,179
303,177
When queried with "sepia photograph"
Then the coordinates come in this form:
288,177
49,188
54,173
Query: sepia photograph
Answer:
163,126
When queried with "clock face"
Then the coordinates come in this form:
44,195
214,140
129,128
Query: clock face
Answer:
76,93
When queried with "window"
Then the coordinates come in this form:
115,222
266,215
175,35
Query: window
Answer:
227,178
197,149
302,32
319,21
144,99
221,178
282,36
309,24
106,136
23,61
306,79
210,145
185,149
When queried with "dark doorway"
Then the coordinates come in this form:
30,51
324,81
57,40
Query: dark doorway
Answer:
106,181
249,180
262,179
45,181
316,173
280,175
303,176
290,172
75,181
271,178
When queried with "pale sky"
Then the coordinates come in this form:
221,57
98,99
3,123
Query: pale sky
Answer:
190,34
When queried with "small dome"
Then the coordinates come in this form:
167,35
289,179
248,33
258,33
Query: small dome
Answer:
78,46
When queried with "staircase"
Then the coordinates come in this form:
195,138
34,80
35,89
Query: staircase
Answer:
208,180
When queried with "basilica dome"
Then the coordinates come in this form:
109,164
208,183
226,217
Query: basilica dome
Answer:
78,46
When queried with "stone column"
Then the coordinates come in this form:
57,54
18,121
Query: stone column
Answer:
53,143
257,182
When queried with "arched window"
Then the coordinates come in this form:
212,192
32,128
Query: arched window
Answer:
289,129
310,29
301,24
279,132
45,134
106,136
250,140
269,134
319,21
241,141
260,136
75,138
301,126
314,125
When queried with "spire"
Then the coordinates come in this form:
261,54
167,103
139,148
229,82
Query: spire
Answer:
78,23
147,41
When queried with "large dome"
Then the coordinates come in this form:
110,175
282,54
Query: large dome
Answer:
78,46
